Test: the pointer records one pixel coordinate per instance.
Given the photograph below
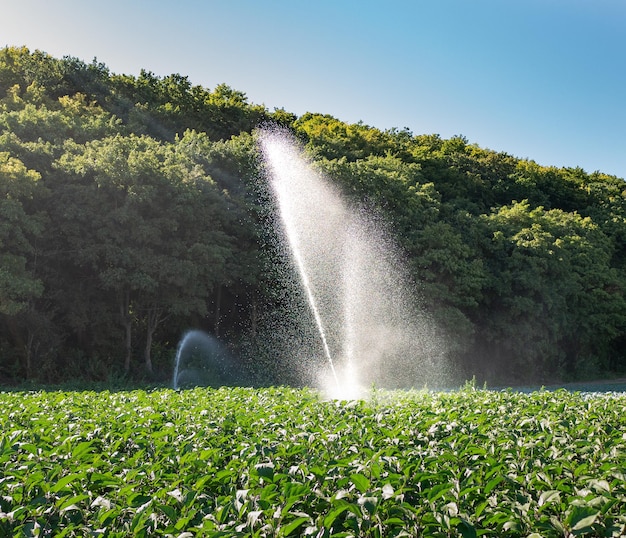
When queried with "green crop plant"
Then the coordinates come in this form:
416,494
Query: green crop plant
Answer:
285,462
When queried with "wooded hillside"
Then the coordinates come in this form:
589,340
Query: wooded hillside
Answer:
131,210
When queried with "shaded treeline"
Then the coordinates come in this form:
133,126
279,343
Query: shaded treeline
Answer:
132,209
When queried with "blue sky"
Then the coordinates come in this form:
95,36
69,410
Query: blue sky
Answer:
539,79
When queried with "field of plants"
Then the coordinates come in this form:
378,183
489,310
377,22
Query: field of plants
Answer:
284,462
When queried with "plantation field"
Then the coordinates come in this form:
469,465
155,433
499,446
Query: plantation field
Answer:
283,462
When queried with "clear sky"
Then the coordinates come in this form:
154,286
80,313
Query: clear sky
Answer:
539,79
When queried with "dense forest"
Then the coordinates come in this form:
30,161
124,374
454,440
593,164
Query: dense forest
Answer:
131,210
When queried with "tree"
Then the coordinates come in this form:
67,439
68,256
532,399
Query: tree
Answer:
21,226
157,241
166,107
19,229
334,139
553,299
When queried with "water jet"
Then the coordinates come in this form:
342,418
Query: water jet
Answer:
371,329
201,360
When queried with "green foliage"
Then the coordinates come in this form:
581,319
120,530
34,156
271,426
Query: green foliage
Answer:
163,107
282,462
129,200
555,283
18,232
333,139
154,237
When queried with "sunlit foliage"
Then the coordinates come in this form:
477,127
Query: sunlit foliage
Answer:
283,462
133,209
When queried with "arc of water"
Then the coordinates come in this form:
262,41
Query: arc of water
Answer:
297,256
292,237
313,305
176,367
351,274
177,360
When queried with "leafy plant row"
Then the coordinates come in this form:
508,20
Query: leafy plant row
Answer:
284,462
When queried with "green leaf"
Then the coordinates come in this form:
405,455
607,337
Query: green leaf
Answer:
168,511
286,530
369,503
437,491
585,523
548,497
106,517
138,499
394,521
103,480
467,529
66,480
333,515
293,491
81,449
492,484
71,503
360,481
29,447
265,470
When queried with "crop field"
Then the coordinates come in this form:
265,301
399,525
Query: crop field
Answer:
284,462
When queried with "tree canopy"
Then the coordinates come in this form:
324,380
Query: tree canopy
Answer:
131,210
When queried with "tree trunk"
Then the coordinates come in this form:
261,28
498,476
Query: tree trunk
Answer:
128,345
29,354
148,350
127,324
153,319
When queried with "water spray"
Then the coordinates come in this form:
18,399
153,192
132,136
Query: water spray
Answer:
280,176
316,314
352,276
